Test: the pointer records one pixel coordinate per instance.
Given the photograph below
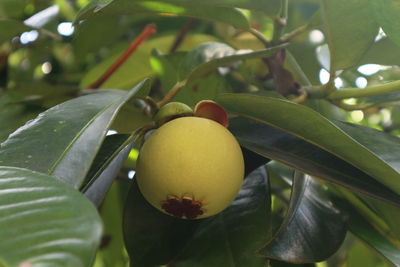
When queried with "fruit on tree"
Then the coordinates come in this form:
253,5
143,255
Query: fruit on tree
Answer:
190,168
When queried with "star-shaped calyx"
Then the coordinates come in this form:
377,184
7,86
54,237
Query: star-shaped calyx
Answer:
184,207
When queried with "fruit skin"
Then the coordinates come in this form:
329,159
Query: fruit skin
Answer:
191,158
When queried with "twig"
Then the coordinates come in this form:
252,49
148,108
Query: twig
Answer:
289,36
280,22
149,30
171,94
181,36
381,89
260,37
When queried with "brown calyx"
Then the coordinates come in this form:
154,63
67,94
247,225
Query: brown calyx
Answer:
182,207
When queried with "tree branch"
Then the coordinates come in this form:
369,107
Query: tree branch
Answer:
149,30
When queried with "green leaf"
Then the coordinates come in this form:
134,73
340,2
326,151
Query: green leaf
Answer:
386,13
299,154
349,29
106,166
301,121
45,222
207,88
366,232
269,7
209,56
64,140
233,237
383,52
44,94
139,61
313,229
13,115
195,9
152,238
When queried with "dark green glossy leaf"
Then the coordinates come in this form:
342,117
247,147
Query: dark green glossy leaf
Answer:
299,154
301,121
386,13
151,237
45,222
233,237
197,9
73,131
106,166
350,30
313,229
366,232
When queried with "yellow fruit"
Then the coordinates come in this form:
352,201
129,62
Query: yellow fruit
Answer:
190,168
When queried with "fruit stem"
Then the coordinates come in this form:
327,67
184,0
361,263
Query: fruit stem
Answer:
149,30
171,94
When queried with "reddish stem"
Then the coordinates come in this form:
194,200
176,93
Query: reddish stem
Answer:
149,30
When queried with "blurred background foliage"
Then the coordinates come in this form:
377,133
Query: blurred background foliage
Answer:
48,56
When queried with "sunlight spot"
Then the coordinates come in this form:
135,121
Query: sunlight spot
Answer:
134,154
28,37
357,115
65,28
381,34
361,82
323,76
323,56
316,37
374,119
338,82
131,174
111,132
369,69
165,8
386,116
350,101
47,67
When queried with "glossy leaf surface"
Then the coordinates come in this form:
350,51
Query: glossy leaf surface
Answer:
300,121
299,154
45,222
313,229
106,166
74,132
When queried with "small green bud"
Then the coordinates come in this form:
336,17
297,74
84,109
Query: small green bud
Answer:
172,111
